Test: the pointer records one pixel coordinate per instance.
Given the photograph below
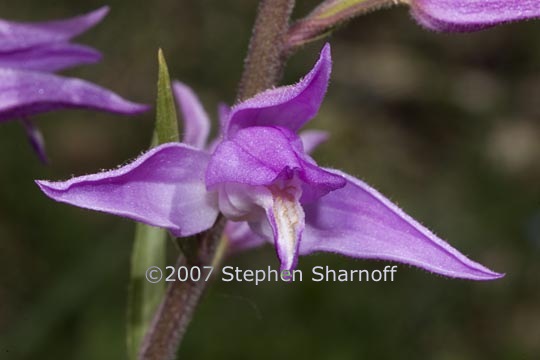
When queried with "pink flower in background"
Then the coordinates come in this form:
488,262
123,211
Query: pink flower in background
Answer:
471,15
30,53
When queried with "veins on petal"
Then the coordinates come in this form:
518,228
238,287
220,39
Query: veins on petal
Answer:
286,218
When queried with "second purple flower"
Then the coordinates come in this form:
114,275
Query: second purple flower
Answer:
31,52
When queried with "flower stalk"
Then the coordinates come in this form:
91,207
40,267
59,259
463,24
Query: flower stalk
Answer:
181,299
266,57
328,15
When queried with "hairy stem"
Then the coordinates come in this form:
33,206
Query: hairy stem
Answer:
263,68
181,299
265,59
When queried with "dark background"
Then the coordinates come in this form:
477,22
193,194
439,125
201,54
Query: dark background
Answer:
445,125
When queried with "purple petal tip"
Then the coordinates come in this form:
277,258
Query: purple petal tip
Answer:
35,138
326,51
132,108
287,106
53,190
99,14
374,228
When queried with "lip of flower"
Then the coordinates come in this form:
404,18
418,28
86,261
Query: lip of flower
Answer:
268,167
471,15
260,175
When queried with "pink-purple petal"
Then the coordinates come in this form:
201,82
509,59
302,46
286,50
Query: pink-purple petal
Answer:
241,237
358,221
317,182
258,156
472,15
255,156
196,121
22,35
50,57
24,93
311,139
287,106
164,188
224,112
35,138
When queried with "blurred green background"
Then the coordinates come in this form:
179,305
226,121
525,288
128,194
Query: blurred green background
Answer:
445,125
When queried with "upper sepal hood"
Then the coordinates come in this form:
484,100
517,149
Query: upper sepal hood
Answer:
285,106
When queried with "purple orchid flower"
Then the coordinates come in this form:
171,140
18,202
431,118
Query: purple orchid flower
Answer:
471,15
30,53
259,175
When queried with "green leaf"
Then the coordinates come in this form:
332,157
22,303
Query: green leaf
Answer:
166,120
150,243
149,249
